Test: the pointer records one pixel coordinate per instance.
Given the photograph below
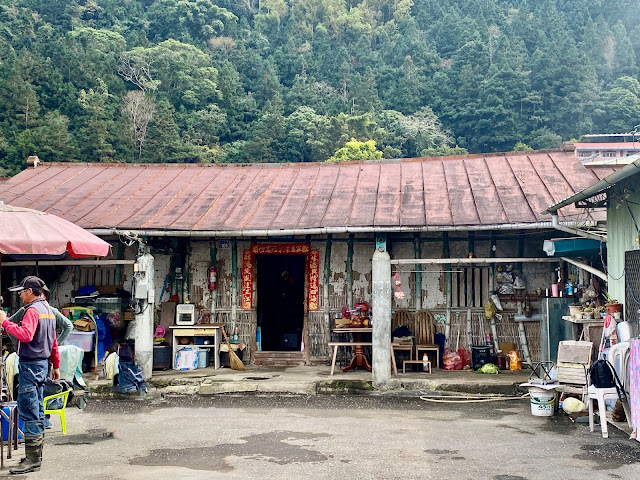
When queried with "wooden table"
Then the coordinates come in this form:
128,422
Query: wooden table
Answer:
359,358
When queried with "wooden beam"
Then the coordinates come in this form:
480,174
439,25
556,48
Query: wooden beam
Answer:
471,261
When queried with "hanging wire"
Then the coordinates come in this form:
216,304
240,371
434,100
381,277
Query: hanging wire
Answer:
604,264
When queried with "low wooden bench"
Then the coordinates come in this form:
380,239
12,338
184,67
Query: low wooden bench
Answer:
335,346
416,362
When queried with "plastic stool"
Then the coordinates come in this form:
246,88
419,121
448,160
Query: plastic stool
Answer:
600,395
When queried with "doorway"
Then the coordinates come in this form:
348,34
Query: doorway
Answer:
280,306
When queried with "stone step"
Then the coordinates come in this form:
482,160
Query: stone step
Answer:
279,358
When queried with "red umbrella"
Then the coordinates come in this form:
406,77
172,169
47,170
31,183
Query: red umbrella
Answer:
27,232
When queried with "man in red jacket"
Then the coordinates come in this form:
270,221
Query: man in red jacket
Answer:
37,345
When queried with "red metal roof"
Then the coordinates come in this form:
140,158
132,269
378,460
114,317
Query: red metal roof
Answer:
443,192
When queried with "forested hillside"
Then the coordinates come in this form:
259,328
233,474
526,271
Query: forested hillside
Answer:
295,80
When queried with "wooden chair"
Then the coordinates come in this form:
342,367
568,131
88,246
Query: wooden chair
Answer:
424,331
574,359
399,318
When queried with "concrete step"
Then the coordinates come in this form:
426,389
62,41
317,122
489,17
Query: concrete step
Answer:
279,358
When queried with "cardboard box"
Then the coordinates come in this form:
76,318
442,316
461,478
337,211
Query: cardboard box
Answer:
84,325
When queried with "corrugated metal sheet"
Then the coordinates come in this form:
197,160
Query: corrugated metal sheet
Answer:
440,192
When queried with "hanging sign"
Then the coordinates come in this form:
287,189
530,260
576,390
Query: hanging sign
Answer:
314,275
279,248
247,279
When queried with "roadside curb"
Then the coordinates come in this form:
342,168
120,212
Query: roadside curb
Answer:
209,387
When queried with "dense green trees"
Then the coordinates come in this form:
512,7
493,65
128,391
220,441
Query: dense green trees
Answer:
296,81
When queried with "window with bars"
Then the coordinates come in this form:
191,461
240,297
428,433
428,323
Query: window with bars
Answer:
470,287
632,289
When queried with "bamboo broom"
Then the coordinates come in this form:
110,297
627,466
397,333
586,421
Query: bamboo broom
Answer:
234,361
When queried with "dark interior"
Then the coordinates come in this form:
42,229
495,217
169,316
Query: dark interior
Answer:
280,300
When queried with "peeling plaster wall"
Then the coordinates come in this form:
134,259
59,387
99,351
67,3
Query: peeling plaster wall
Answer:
362,254
434,289
338,275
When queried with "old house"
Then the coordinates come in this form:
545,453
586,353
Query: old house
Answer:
291,244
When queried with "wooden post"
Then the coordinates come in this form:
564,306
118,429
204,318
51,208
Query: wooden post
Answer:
213,254
469,329
119,254
447,253
234,282
325,283
305,315
417,253
350,271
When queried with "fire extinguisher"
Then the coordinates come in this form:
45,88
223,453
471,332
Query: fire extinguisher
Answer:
213,278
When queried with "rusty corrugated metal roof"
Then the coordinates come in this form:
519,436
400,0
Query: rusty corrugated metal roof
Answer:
444,192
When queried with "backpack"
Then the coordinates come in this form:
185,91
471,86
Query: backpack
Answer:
603,375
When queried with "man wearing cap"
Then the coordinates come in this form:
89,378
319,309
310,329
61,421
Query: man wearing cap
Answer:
37,344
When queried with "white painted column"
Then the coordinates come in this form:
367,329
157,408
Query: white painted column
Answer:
381,305
144,320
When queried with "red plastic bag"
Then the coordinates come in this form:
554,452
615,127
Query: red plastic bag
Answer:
465,355
451,360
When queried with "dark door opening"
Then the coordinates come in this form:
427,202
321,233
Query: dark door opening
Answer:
280,300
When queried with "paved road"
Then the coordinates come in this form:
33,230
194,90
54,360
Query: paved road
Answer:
327,437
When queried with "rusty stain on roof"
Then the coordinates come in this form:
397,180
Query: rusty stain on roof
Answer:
472,190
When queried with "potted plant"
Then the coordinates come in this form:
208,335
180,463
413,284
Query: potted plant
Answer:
575,309
612,305
599,311
588,313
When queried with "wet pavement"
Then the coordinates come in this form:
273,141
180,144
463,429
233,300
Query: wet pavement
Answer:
328,436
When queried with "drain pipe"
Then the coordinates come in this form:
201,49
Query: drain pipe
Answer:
555,223
587,268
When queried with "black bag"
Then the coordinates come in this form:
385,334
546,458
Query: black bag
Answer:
603,375
59,386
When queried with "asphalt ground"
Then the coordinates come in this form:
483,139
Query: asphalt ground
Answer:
265,436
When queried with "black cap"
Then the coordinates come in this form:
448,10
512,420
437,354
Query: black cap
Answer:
28,282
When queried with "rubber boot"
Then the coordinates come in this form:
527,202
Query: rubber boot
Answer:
31,462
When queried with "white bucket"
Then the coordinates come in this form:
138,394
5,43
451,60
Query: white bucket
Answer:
543,402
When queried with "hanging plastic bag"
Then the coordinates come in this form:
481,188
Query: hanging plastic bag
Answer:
489,309
398,294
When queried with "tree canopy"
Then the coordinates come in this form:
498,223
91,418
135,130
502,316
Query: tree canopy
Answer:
297,80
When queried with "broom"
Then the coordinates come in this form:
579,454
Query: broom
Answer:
234,361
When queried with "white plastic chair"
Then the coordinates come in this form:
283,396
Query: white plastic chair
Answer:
600,395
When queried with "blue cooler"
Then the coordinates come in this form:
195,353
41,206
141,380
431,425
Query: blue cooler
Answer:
204,357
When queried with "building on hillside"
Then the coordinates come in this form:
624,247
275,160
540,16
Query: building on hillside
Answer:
291,244
607,149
